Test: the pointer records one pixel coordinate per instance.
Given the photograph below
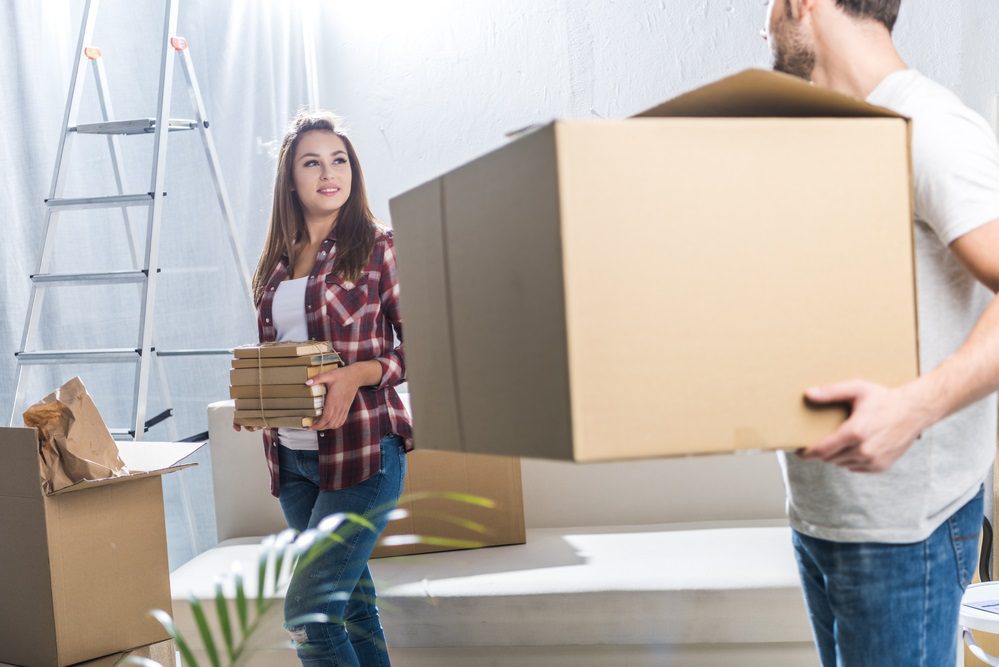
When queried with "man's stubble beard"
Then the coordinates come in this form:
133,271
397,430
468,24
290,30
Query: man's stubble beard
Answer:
792,54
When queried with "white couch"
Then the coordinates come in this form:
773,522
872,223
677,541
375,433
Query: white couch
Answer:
666,562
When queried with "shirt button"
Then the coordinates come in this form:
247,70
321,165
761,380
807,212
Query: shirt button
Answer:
322,254
267,321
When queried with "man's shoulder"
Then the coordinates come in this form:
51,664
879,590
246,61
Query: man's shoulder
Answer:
921,98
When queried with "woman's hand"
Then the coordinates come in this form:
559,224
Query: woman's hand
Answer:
341,389
237,427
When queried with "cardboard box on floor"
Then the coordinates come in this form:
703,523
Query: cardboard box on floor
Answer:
80,569
664,285
164,653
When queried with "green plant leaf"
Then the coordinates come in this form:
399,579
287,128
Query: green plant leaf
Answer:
182,646
207,640
278,551
282,550
241,609
468,524
467,498
317,550
278,562
308,618
222,611
396,540
360,520
265,552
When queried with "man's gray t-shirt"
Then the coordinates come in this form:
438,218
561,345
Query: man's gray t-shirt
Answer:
956,172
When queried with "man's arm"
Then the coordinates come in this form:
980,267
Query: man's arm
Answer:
884,421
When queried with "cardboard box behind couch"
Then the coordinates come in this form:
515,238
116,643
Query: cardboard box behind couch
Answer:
496,478
244,508
81,569
663,285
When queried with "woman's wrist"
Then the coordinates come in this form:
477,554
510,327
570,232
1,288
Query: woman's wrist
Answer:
365,373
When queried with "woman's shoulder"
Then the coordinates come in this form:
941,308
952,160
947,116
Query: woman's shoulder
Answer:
382,251
384,244
384,236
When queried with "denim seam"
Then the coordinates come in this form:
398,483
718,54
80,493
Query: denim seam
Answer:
927,572
958,549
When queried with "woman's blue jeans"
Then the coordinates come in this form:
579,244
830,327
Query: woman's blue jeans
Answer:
338,583
880,605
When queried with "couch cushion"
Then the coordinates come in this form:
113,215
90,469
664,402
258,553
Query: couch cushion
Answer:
626,585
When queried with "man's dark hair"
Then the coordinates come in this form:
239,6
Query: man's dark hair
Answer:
882,11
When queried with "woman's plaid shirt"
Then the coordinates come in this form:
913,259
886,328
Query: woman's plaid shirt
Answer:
361,320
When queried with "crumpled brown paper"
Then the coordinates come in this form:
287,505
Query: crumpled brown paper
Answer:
74,443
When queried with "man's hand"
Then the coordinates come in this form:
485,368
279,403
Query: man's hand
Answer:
341,389
237,427
883,424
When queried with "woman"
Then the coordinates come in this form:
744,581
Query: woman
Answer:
328,272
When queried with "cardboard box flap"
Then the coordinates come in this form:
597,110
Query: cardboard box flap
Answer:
144,459
761,93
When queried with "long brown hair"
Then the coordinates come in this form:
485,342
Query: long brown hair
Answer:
356,226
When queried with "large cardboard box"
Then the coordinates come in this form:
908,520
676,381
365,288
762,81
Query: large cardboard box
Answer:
663,285
80,569
443,524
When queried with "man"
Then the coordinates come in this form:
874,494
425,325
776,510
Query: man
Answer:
886,511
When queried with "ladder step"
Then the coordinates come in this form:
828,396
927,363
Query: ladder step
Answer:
137,126
112,201
193,353
127,433
106,278
116,355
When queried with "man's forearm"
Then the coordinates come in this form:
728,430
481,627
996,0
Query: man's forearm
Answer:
968,375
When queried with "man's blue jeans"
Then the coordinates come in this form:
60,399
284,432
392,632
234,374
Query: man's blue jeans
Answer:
338,583
878,605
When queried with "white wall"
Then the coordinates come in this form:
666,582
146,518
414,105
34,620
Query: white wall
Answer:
426,86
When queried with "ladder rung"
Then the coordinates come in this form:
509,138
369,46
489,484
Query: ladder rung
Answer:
106,278
123,433
112,201
116,355
137,126
192,353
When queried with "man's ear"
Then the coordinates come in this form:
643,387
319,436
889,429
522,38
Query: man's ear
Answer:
806,7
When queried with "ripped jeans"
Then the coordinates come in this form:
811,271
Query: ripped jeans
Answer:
338,583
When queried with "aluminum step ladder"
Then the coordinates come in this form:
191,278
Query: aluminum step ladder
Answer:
146,268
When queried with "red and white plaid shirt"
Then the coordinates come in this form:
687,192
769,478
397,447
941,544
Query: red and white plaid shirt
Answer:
359,319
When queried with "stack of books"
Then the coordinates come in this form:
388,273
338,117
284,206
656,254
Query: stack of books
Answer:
268,383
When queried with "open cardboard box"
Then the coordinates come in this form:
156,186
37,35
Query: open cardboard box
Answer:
80,569
664,285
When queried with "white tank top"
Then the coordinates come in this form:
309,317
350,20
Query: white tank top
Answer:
288,314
